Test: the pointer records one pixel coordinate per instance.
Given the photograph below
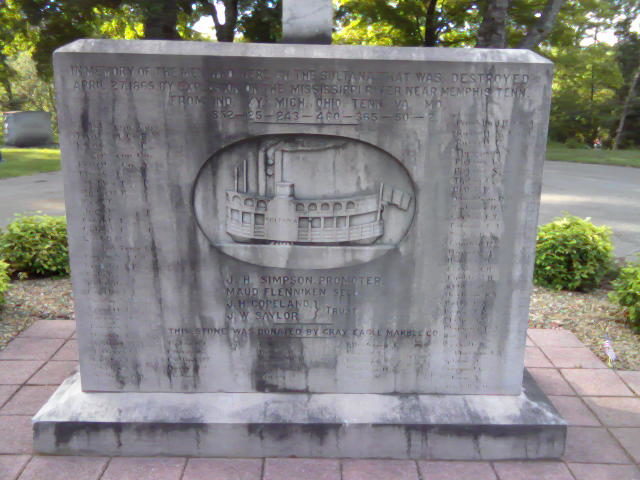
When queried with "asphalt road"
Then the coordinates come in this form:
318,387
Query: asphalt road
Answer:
609,195
34,193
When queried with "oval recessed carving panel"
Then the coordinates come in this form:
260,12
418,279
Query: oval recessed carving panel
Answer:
303,201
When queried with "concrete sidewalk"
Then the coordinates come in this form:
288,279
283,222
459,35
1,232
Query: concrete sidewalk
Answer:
609,195
42,192
602,407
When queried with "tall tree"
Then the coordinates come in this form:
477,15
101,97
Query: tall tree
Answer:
407,22
542,28
431,24
483,23
225,32
62,21
161,18
585,88
628,125
262,22
58,22
626,108
493,29
14,37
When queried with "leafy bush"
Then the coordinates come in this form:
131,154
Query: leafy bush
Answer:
4,280
36,245
572,254
626,291
574,143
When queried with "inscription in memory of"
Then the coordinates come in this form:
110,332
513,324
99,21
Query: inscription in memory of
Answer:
244,220
304,95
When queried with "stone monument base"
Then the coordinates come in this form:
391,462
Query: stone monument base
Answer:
451,427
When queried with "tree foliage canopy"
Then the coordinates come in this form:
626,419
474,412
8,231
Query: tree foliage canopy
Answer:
458,22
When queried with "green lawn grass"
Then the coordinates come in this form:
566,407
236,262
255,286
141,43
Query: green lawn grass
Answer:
27,161
559,152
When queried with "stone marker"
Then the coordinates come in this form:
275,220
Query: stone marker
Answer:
290,250
307,21
27,129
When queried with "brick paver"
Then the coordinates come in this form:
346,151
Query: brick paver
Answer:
532,470
223,469
533,357
593,445
11,465
456,471
16,434
307,468
616,411
590,382
575,412
5,393
630,440
632,379
50,329
64,468
379,470
28,400
31,348
551,382
53,373
15,372
68,352
136,468
582,357
589,471
553,338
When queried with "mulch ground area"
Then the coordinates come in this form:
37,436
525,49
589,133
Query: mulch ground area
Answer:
592,318
589,315
31,300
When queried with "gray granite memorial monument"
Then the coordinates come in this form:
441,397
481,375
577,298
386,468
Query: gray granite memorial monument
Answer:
27,129
290,250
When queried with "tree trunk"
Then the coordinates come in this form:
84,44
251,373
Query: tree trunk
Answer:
226,32
9,104
160,19
5,81
627,106
541,30
430,24
493,29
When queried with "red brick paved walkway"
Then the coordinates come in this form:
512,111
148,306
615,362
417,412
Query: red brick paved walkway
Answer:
602,407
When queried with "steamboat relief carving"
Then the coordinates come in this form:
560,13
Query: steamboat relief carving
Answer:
304,201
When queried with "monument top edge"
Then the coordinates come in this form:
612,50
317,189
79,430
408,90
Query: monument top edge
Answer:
266,50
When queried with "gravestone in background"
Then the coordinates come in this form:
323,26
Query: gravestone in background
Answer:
27,129
301,250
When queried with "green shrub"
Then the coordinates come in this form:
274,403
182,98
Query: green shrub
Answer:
572,254
36,245
574,143
4,280
626,292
